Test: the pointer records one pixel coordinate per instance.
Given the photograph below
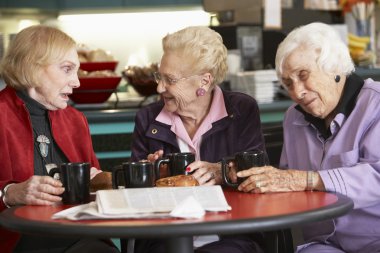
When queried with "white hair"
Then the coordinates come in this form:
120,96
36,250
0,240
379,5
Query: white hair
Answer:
203,46
333,54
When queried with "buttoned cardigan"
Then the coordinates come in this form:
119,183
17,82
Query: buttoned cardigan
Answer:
239,131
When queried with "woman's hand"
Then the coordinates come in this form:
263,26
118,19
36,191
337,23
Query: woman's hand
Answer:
206,173
270,179
37,190
93,172
163,167
153,157
231,172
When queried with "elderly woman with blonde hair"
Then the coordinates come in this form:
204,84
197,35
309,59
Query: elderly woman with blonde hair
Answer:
331,138
38,131
195,115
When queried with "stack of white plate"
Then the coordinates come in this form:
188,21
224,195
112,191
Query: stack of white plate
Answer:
260,84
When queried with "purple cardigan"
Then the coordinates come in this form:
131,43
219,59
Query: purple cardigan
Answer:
240,131
349,163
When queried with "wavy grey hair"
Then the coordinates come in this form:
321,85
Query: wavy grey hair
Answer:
334,56
201,45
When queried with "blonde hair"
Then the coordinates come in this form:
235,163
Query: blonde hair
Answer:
203,47
31,50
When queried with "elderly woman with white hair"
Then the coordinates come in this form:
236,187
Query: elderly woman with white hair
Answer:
331,137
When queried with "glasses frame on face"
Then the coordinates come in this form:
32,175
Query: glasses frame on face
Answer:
158,77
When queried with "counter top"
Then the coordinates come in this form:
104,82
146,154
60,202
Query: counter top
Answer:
122,106
111,130
269,112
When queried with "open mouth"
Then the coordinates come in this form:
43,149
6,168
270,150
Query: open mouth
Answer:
166,98
65,96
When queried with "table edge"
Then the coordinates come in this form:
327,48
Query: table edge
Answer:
342,206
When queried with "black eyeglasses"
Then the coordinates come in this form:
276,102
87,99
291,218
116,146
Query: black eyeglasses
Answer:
169,80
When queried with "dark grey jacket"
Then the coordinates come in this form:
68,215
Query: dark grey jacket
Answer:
239,131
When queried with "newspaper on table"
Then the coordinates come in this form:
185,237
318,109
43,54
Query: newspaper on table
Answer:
156,202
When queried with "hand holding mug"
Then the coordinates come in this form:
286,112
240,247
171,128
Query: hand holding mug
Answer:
163,170
176,163
75,177
156,155
206,173
271,179
243,161
37,190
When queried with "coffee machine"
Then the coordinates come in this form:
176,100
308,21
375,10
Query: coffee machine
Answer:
247,39
257,47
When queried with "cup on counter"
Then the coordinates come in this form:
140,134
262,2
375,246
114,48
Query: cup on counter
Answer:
176,163
75,177
243,160
135,175
233,61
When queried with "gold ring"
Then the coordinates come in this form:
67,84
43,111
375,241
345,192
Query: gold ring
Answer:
258,185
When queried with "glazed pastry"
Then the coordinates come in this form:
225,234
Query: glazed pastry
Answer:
174,181
101,181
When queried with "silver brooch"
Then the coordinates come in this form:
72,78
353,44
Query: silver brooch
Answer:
44,141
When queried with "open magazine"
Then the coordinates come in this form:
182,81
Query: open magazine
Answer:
150,203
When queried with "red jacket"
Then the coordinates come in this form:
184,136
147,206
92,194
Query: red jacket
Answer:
69,129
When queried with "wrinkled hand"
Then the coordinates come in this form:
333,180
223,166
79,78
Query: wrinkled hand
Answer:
231,172
37,190
270,179
153,157
93,172
206,173
163,167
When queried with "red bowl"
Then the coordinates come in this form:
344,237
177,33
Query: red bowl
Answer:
93,66
95,89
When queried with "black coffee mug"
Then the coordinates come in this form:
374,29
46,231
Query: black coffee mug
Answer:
243,161
176,162
135,175
75,177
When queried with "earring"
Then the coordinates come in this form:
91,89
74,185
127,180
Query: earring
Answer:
200,92
337,78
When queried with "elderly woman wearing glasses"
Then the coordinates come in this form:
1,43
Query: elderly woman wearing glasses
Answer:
196,115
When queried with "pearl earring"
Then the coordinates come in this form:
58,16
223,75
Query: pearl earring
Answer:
200,92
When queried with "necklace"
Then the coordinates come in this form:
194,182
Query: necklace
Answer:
44,152
42,144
